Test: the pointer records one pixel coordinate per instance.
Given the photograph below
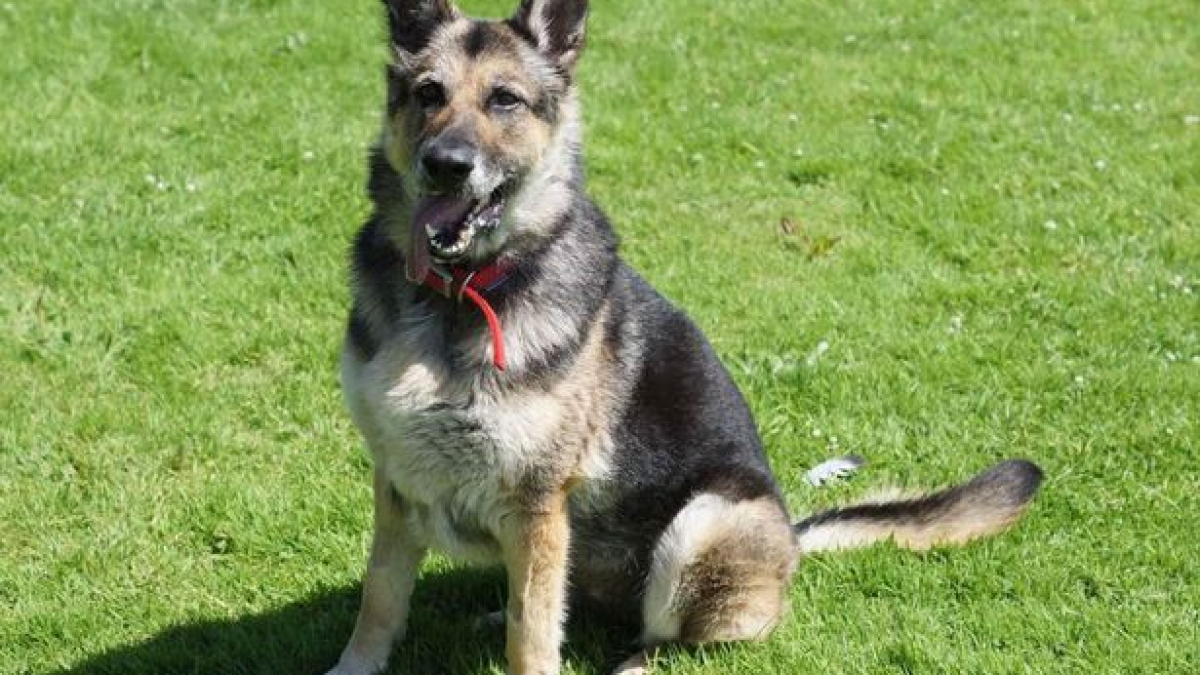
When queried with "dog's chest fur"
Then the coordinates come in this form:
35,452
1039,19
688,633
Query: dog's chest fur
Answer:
463,452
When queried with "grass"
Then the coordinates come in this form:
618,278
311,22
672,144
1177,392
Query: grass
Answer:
992,249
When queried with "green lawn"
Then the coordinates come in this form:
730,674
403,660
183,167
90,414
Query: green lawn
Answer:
994,251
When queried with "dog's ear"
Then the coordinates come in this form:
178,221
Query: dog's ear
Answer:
556,27
411,23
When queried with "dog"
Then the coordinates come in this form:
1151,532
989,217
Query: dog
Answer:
529,400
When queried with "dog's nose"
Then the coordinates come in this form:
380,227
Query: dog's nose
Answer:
449,162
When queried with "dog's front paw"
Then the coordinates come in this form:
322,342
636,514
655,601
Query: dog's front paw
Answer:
355,665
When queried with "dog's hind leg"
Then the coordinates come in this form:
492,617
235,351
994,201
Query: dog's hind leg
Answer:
387,587
719,573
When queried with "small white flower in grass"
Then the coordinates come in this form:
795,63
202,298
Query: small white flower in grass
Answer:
850,39
945,192
817,433
956,323
1079,380
158,182
1100,165
1191,120
191,186
1068,117
793,117
817,353
308,155
1050,225
1172,357
295,41
759,164
1116,107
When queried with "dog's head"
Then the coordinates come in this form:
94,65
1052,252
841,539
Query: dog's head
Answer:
481,122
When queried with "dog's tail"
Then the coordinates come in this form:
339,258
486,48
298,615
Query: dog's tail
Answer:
986,505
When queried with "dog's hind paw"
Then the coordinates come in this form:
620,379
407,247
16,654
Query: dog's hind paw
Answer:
490,620
637,664
830,469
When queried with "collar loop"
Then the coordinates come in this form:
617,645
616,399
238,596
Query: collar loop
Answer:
457,282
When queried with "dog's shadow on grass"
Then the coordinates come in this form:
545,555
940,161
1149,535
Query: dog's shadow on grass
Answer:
446,637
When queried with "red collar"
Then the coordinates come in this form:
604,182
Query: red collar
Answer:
458,282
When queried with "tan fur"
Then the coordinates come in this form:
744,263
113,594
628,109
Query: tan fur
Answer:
535,556
387,586
523,140
719,572
975,516
913,537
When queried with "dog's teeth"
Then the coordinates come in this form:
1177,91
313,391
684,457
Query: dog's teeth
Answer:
431,231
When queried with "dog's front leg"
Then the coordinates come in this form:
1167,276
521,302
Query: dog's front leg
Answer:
387,587
535,555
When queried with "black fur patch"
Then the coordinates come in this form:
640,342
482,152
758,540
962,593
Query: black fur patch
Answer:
378,267
384,185
411,23
375,262
397,89
522,31
688,428
359,336
685,430
479,38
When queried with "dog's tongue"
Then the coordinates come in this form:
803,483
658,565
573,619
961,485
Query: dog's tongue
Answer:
439,212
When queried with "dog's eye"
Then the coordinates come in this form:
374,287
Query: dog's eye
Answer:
503,99
430,96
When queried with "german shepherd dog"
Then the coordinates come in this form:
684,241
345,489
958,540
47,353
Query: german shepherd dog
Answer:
529,400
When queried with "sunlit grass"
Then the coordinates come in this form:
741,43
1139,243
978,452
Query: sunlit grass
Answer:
991,226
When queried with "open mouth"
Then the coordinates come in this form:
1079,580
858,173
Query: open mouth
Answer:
444,226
